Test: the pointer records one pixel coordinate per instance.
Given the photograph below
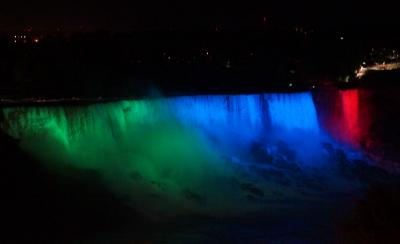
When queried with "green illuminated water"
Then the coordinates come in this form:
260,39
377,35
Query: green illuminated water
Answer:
143,154
168,157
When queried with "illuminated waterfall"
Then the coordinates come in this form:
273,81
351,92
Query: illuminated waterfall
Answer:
247,113
162,147
293,111
350,127
348,117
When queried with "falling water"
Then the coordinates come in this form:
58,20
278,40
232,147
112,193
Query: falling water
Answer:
293,111
160,153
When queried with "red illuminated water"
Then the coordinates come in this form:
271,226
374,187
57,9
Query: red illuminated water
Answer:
346,115
350,124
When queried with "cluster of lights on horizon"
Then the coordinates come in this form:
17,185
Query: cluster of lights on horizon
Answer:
384,66
23,38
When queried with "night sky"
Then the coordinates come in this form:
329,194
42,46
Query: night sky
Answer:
117,15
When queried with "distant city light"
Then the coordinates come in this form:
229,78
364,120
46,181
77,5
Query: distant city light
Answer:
384,66
36,40
228,64
360,72
342,38
290,84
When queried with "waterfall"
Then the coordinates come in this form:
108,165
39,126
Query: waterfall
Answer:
247,113
293,111
350,125
143,147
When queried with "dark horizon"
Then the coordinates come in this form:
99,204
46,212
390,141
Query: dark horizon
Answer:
48,16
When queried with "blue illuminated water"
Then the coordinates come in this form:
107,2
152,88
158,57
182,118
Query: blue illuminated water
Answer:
230,123
248,113
218,154
220,110
265,156
293,111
